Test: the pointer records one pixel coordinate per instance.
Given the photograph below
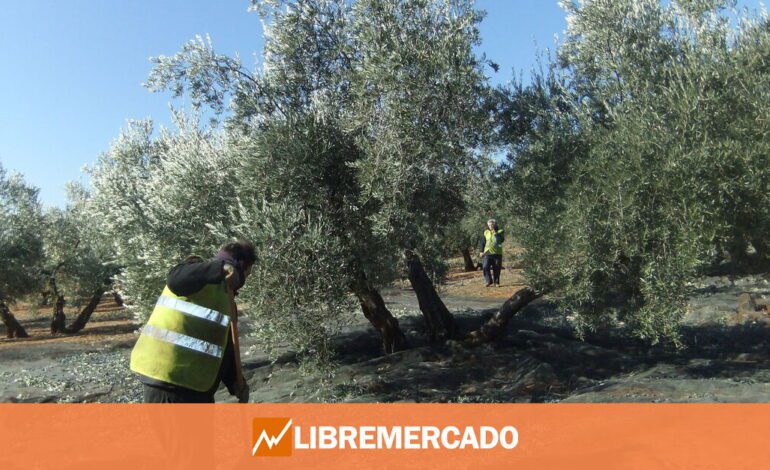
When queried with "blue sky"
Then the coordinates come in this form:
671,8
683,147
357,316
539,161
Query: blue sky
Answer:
72,72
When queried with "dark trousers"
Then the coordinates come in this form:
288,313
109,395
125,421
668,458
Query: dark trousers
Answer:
153,394
492,266
179,452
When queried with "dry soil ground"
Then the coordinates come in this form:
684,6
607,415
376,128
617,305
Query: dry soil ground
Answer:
724,358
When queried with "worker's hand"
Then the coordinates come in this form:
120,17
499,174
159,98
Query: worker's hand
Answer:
241,389
481,254
229,274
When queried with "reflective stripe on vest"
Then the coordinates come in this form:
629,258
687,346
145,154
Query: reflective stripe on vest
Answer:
185,338
184,341
194,310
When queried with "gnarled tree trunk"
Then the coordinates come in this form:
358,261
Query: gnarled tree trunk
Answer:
378,314
438,319
495,326
470,266
59,320
13,328
45,299
88,310
117,298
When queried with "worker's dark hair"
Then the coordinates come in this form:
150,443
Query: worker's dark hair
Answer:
241,250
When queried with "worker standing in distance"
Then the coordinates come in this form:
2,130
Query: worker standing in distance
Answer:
190,342
491,248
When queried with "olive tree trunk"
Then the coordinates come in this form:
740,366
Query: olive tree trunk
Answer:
59,320
13,328
438,319
495,326
378,314
85,315
470,266
117,298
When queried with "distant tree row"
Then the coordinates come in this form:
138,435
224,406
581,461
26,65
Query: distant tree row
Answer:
50,255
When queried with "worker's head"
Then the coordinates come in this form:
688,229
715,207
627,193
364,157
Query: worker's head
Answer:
492,224
243,253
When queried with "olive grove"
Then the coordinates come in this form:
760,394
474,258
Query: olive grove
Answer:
355,154
51,253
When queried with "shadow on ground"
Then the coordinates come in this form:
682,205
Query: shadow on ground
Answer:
541,360
724,358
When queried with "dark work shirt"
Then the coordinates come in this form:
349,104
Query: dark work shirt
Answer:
188,278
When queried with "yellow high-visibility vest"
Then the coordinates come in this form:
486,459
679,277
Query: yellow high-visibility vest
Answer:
184,340
491,246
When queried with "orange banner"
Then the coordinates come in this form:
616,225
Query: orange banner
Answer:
385,436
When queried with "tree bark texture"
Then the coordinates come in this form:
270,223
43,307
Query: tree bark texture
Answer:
438,319
85,315
13,328
378,314
59,320
495,326
470,266
117,298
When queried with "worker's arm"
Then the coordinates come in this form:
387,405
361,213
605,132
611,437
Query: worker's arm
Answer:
482,244
191,276
241,388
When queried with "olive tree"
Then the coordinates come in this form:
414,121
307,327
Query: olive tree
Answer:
79,260
61,242
20,246
367,125
418,95
650,158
